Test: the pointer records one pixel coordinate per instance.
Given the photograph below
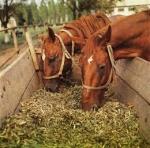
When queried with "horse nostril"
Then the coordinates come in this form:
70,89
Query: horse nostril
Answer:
51,89
95,107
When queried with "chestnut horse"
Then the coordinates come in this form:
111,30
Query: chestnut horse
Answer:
127,38
59,48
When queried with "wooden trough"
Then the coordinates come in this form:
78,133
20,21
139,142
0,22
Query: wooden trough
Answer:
18,80
132,86
18,76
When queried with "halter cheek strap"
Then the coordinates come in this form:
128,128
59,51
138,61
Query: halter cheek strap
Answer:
100,87
66,54
70,35
113,68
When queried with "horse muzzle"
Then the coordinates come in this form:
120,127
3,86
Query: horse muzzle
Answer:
51,85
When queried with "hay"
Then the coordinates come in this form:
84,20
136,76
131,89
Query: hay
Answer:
55,120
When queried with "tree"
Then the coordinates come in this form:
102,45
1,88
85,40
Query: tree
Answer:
8,9
51,12
43,11
35,12
21,14
79,6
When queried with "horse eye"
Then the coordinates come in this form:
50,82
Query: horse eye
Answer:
102,66
101,69
52,59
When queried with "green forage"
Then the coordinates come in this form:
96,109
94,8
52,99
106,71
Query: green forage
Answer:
55,120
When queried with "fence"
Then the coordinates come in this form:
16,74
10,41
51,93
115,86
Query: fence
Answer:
28,40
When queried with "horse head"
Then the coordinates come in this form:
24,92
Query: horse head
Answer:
96,69
57,57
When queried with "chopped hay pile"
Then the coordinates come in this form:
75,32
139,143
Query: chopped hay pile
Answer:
55,120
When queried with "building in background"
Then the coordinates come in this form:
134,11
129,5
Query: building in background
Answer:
128,7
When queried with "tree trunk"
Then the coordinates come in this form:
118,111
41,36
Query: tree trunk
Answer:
6,34
74,14
79,14
6,37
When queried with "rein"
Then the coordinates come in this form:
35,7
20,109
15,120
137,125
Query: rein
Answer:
66,54
113,68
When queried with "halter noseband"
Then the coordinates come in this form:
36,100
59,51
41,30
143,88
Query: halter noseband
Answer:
66,54
113,68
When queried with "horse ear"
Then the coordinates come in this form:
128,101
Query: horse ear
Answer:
51,34
108,34
104,36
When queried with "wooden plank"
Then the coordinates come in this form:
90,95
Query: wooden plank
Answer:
32,51
8,54
128,96
15,41
16,81
136,74
132,86
137,66
6,29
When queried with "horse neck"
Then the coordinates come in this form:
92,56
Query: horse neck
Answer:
130,37
87,25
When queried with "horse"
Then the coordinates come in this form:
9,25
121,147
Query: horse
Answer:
115,18
124,39
58,49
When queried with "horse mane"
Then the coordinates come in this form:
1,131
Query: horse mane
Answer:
90,46
87,25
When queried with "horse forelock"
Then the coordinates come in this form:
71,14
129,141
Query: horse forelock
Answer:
90,47
93,42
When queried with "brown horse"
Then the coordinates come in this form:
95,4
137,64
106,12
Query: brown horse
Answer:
115,18
127,38
59,48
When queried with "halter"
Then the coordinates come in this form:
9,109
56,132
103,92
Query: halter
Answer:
66,54
113,68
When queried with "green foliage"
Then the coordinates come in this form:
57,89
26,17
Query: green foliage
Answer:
78,7
56,11
9,8
43,11
21,14
35,12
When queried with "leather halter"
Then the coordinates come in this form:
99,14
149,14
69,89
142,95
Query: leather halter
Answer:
113,68
66,54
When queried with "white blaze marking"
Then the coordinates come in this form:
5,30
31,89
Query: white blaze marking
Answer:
90,59
100,36
43,56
